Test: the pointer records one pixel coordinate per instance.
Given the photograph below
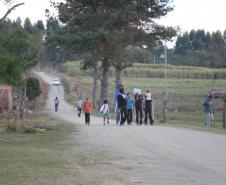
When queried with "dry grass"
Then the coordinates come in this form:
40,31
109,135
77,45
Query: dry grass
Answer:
32,124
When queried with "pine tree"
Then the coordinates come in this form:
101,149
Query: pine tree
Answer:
103,27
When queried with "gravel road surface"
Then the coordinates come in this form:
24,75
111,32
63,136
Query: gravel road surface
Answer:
144,155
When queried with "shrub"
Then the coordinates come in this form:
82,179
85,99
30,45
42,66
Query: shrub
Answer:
33,88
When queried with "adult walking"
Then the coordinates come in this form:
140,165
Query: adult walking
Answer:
122,103
130,106
139,108
117,111
208,108
78,105
87,107
148,108
56,103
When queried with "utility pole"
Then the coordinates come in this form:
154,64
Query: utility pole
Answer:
165,93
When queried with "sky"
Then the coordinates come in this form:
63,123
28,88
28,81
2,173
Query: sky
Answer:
209,15
34,9
187,14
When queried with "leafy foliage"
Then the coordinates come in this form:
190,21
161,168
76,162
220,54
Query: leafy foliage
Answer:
33,88
17,52
103,29
55,51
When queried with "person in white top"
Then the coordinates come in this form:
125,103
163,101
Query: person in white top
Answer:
79,104
105,111
56,102
148,108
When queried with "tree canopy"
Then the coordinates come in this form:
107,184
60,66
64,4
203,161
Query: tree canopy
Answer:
18,52
105,28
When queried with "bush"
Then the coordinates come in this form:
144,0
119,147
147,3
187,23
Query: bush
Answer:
33,88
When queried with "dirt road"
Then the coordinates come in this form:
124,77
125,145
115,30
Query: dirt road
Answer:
144,155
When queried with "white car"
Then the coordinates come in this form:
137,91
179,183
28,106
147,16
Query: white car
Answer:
56,82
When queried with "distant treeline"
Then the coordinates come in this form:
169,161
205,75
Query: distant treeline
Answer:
194,48
200,48
155,71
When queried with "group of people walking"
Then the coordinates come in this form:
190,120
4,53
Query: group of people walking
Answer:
86,106
125,106
126,103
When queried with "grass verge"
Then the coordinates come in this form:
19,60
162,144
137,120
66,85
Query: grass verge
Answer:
34,158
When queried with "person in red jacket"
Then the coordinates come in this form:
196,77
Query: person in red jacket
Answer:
87,107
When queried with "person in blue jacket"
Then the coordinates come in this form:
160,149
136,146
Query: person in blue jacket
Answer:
208,109
130,107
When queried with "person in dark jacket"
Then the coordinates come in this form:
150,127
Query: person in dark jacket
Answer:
148,108
117,111
208,109
139,108
122,103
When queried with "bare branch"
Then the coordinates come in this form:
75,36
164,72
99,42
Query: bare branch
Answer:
10,10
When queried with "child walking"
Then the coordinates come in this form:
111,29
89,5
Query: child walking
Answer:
79,104
105,111
87,107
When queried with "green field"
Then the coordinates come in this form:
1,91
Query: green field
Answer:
186,96
155,71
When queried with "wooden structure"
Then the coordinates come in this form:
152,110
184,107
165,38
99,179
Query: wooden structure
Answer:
6,98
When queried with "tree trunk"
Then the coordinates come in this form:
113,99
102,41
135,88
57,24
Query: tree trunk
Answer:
117,79
19,103
95,78
224,114
104,82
